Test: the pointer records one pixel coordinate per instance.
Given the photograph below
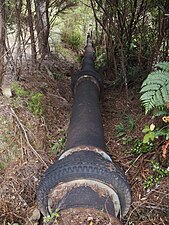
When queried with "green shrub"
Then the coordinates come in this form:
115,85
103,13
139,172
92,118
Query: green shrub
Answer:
100,59
35,104
33,100
126,126
19,91
151,132
140,147
52,217
158,174
2,165
73,38
59,145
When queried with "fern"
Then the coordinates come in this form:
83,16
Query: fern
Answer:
155,89
163,66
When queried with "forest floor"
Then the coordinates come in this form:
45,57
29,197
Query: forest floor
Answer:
33,125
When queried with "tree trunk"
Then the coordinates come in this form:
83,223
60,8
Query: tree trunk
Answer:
42,26
30,21
2,38
18,10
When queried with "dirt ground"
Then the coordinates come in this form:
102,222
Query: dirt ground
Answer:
29,143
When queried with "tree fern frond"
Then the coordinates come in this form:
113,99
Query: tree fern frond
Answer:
165,93
155,90
145,96
158,99
159,76
163,66
150,87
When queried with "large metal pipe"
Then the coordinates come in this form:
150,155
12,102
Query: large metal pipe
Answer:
86,125
86,128
84,176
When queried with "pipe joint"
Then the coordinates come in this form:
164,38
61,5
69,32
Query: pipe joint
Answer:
86,148
84,75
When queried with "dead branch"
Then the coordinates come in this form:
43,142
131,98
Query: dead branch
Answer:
27,139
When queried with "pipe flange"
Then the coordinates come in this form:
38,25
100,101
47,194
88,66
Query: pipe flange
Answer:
85,148
90,73
86,77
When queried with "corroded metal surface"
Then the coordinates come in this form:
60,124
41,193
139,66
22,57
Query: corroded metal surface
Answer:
107,198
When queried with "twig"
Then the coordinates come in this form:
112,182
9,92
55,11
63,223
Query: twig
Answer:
57,96
110,220
134,209
156,207
150,205
133,163
27,139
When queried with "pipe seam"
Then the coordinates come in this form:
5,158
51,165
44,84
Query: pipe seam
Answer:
84,78
85,148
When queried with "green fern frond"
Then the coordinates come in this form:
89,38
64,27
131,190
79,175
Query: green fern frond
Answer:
155,90
163,66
